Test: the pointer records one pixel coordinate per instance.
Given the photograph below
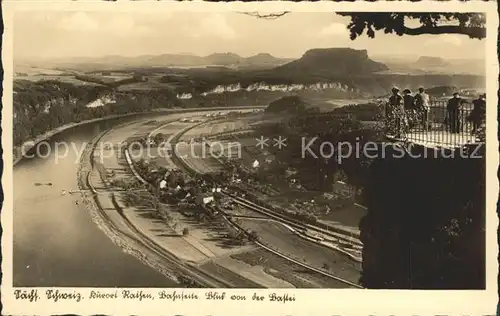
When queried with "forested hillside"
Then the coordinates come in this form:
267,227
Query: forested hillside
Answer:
44,105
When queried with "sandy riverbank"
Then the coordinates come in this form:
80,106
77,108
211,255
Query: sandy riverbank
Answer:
203,246
128,244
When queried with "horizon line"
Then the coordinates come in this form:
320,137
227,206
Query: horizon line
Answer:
406,55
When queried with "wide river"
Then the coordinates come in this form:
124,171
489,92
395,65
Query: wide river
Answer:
56,243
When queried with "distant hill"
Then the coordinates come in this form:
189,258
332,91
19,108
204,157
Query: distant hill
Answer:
223,59
288,104
168,60
332,62
432,65
262,60
442,90
428,61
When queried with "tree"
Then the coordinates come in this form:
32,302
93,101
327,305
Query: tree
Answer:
159,138
267,16
185,231
252,236
172,180
470,24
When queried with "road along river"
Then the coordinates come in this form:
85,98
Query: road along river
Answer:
56,243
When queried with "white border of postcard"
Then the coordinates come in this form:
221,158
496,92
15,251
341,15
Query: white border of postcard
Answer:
307,302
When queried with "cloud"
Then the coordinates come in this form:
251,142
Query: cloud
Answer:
453,40
125,26
215,25
79,21
334,29
448,39
118,25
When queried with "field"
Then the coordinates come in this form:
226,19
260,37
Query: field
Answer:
199,159
208,243
280,238
208,236
343,212
257,273
226,274
205,240
335,103
348,217
290,272
243,211
62,78
145,86
33,71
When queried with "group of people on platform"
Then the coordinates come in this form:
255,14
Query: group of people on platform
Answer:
408,111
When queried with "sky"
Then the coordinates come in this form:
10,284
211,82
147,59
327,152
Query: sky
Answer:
60,34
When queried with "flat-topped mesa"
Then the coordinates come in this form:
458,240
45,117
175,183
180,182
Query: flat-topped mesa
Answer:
336,52
334,61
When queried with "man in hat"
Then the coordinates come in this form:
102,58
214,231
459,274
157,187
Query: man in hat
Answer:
394,111
395,99
409,106
408,100
453,108
422,103
478,113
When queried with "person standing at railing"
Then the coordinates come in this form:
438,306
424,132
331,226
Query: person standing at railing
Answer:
453,108
394,112
478,113
422,102
409,106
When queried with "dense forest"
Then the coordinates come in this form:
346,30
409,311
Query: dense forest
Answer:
44,105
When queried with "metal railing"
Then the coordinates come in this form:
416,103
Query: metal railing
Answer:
435,127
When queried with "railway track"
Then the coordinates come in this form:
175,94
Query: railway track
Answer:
294,223
184,166
339,235
200,277
306,266
300,231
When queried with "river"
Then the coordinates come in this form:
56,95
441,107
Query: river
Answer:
56,243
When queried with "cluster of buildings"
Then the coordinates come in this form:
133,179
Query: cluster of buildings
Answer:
175,186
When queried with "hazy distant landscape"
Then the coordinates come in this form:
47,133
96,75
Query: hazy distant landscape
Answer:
326,78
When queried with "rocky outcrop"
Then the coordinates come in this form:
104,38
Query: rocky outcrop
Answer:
333,61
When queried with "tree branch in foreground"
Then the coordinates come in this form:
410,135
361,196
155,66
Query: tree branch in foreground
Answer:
268,16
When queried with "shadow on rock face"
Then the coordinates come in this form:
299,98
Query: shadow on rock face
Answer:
425,227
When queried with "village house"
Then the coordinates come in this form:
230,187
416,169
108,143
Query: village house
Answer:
204,199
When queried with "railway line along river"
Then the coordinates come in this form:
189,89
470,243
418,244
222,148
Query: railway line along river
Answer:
74,240
56,242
